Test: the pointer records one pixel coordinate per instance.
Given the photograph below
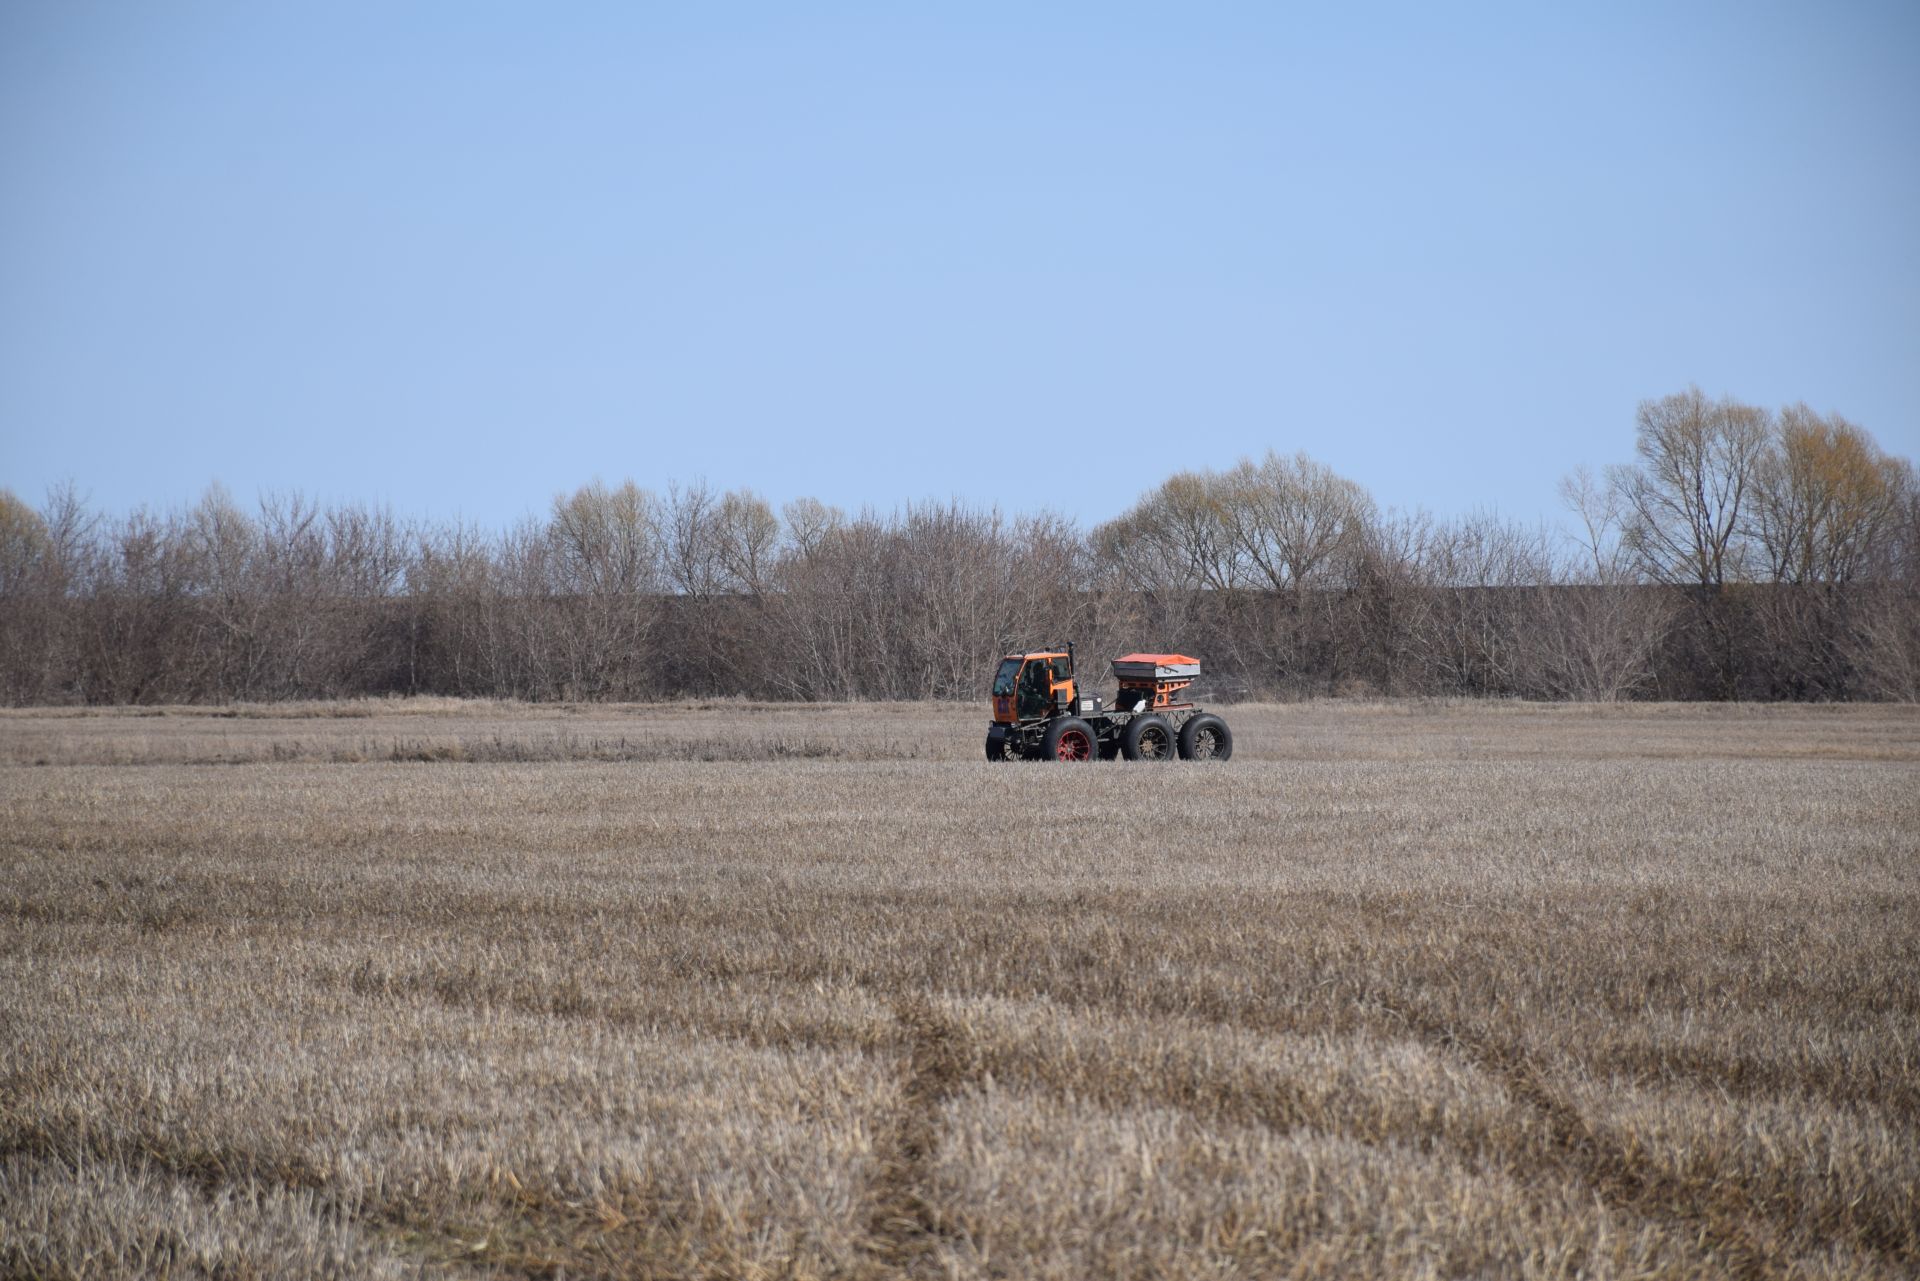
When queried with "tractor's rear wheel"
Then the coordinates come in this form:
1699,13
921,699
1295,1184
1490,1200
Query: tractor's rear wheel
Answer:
1069,739
1148,738
1205,738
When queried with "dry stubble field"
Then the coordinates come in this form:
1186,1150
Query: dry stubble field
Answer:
1402,990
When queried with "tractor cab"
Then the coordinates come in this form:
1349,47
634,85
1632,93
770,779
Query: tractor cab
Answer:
1032,686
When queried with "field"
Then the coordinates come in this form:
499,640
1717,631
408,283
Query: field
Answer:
750,991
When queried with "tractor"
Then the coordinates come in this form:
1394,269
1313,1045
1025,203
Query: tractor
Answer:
1041,714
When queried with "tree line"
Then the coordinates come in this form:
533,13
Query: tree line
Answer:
1743,553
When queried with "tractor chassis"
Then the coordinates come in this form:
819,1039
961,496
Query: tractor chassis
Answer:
1026,739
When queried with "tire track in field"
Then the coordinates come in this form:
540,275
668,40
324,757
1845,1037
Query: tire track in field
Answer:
904,1227
939,1060
1620,1181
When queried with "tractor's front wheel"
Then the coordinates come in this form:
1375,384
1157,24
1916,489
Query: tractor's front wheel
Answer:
1069,739
997,744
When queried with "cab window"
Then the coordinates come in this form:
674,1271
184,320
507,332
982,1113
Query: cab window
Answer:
1004,678
1033,689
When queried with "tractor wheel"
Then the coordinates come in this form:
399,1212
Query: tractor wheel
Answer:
997,744
1205,738
1070,739
1148,738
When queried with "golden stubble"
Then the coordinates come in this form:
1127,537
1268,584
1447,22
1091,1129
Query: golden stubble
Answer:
750,990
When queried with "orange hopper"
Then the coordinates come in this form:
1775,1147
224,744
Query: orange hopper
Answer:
1153,679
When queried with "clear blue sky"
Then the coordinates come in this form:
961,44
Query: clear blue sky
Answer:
459,257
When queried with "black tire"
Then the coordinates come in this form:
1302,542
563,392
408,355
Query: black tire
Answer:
1148,738
997,744
1205,738
1070,739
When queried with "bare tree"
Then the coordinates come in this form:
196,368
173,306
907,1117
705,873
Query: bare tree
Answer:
1601,625
1173,550
810,523
602,552
366,552
1483,579
1296,523
695,553
1298,530
833,625
1391,607
1887,646
1598,515
24,547
456,638
1686,504
1685,500
143,635
223,544
373,639
747,535
1825,497
811,626
606,540
29,611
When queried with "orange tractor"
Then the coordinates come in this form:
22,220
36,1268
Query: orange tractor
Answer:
1040,713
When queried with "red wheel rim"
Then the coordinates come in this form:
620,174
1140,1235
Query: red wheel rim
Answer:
1074,746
